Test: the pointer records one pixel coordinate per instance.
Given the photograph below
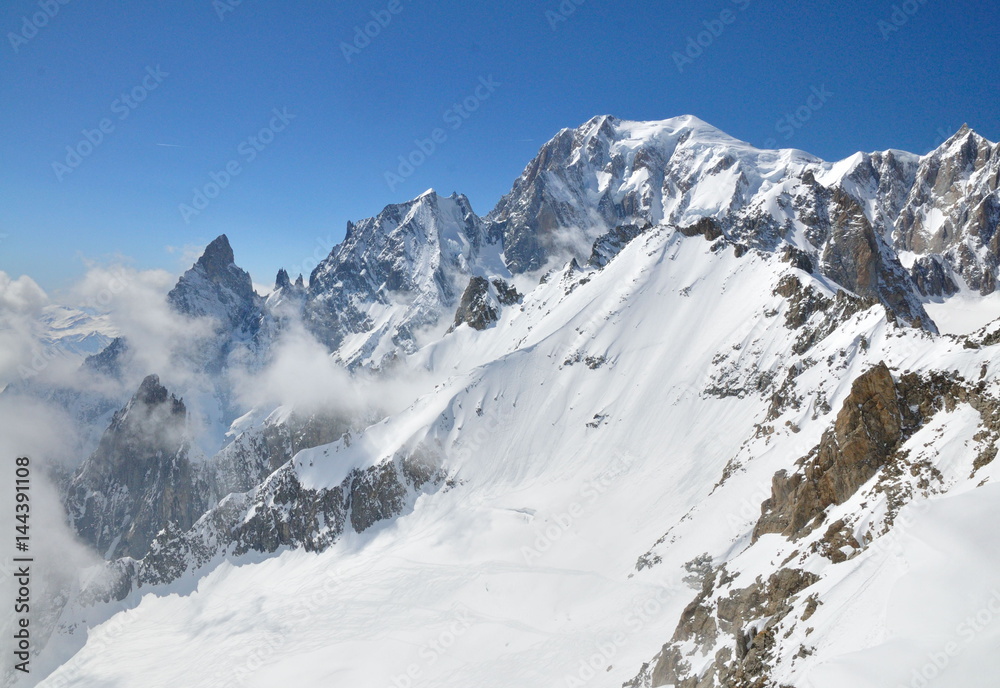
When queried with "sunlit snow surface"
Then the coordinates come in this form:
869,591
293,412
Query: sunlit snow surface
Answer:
964,313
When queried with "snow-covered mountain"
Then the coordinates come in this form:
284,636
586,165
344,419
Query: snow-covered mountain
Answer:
396,273
75,331
685,412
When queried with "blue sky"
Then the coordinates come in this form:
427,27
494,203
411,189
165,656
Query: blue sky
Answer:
212,75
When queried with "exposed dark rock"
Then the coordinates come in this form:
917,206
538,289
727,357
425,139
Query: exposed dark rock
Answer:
706,227
953,211
279,513
111,360
215,287
139,479
877,417
507,295
711,620
838,537
285,513
478,307
859,259
798,258
932,278
805,302
282,281
256,454
406,254
610,245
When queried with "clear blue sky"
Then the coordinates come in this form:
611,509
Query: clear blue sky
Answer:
352,120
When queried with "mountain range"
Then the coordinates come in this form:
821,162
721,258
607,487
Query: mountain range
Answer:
677,411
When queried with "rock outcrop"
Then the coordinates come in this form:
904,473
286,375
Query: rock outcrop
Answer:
139,479
609,245
281,512
478,307
738,626
867,432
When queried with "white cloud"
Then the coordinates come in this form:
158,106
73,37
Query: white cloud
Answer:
21,296
300,373
21,301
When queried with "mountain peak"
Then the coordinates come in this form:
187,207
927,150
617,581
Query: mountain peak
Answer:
141,463
596,123
218,255
151,391
152,394
963,135
215,286
282,281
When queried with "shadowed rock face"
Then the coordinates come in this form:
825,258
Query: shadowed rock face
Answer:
139,479
609,245
933,277
280,512
477,307
282,281
860,260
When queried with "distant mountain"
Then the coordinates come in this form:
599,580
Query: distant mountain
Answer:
139,479
76,332
398,273
215,287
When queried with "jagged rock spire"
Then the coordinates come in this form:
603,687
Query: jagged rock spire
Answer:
282,281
